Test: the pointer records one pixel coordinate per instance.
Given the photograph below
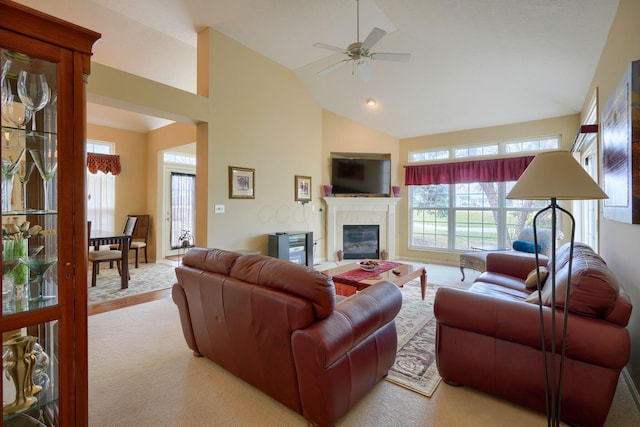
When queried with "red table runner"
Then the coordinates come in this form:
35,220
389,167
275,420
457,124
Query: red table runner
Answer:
356,275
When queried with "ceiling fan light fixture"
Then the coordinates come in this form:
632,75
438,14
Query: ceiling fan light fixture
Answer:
357,52
371,102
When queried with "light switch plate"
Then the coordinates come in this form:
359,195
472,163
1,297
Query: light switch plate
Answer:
218,209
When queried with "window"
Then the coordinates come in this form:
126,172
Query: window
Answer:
463,216
179,158
422,156
100,192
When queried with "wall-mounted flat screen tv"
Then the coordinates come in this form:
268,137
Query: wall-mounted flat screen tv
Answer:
361,176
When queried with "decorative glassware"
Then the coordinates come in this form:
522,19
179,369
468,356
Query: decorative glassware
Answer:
15,113
9,169
13,251
7,294
46,161
4,87
34,93
39,265
40,376
25,169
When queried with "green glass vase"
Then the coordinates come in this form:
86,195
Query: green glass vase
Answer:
13,251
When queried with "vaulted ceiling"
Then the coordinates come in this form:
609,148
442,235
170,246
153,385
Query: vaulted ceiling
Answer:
474,63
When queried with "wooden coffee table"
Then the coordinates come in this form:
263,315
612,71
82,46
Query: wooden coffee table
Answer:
408,272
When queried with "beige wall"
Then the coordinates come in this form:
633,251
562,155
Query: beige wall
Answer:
564,127
619,242
262,118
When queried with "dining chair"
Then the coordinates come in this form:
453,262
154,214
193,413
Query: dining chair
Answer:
127,229
102,254
140,236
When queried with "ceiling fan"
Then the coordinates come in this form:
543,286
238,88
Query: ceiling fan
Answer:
358,52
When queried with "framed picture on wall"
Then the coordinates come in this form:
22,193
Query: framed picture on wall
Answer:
302,188
621,149
241,183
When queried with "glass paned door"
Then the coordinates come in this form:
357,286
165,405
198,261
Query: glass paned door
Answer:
183,210
29,148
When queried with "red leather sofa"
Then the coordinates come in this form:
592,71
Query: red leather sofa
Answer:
277,326
488,337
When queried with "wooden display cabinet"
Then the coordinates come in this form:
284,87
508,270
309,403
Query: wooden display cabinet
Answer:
45,62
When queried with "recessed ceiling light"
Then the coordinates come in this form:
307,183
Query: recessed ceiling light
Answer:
371,102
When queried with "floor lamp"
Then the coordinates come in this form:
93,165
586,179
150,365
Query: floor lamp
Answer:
554,175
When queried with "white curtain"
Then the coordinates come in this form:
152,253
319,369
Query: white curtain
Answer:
100,201
183,208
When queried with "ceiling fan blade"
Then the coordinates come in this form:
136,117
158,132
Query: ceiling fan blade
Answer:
329,47
374,36
398,57
365,71
333,67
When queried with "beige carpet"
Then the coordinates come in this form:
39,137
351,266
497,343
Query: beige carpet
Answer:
141,373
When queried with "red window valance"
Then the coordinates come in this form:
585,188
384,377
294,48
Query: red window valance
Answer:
104,163
494,170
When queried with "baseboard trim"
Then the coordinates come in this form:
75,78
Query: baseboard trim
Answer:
633,390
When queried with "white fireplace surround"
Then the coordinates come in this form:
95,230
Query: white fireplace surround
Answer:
361,211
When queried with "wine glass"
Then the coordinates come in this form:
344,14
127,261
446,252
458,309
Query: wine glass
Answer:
39,265
25,169
15,112
4,87
9,169
46,161
34,93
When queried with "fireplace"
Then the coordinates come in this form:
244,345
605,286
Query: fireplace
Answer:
361,241
379,211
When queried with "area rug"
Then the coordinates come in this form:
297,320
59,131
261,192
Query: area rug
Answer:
146,278
415,366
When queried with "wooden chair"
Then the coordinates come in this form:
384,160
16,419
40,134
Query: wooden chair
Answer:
140,236
128,229
102,254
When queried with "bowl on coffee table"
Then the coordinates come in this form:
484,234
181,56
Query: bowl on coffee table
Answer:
367,265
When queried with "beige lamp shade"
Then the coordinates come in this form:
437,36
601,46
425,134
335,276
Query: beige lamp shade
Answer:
556,174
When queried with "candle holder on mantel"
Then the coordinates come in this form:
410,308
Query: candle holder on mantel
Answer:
396,190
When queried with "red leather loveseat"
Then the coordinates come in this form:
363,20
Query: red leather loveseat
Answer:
488,337
277,326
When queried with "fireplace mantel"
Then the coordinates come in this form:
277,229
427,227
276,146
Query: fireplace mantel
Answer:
357,211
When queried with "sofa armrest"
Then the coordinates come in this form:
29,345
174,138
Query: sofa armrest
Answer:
519,322
353,320
180,299
516,264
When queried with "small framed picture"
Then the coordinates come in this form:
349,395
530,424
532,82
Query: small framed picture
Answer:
303,188
241,183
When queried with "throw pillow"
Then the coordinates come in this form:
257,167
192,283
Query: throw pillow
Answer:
524,246
533,298
532,278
